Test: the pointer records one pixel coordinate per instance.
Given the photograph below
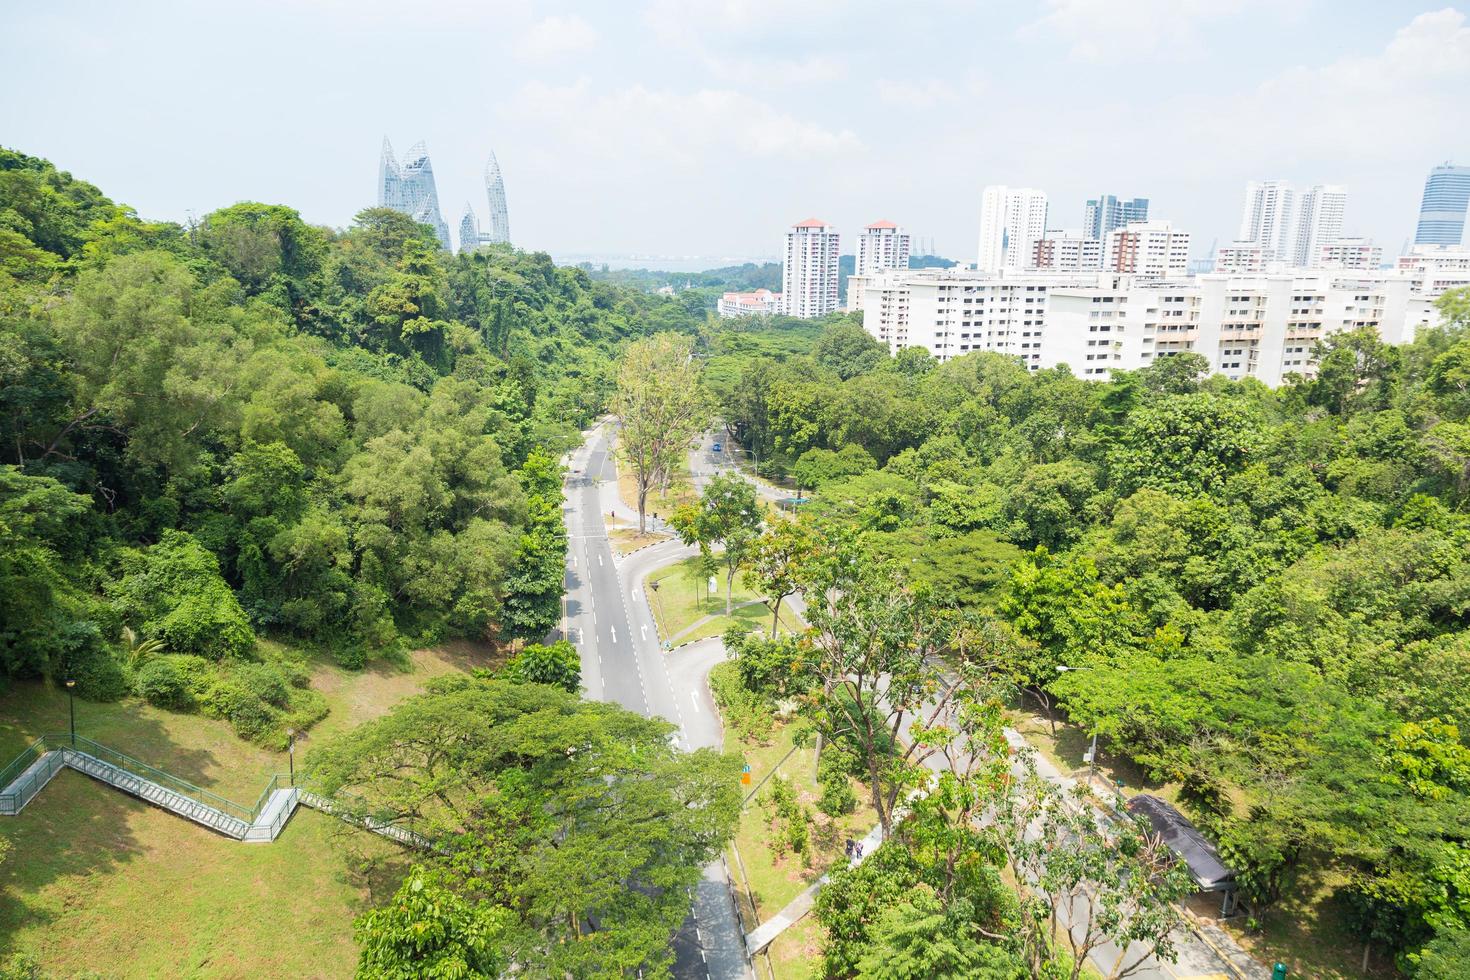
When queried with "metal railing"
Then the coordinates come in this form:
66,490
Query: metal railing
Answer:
153,774
13,797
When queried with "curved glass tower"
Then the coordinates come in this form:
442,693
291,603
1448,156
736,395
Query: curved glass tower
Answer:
409,187
1442,212
499,232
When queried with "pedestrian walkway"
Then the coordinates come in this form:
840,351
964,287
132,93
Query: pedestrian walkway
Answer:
27,775
796,909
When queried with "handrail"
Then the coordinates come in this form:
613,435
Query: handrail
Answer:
166,779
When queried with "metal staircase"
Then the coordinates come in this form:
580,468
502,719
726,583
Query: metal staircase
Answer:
49,754
262,823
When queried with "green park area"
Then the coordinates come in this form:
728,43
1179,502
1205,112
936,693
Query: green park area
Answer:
768,870
97,882
686,610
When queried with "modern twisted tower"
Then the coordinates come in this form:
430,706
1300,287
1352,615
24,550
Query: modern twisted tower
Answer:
409,188
499,232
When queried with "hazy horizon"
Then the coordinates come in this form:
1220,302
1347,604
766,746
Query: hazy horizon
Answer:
705,128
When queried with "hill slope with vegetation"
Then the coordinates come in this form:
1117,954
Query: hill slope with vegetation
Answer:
252,427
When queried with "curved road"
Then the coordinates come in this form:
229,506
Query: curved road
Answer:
608,618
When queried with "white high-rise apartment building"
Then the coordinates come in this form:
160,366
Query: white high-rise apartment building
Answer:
1240,257
1435,258
1259,325
1012,219
1319,221
809,269
882,245
1348,253
1148,249
1270,218
1066,251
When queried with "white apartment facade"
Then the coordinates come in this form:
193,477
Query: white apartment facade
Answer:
761,302
1012,219
1348,253
1062,251
809,269
1148,249
1240,257
1319,221
882,245
1258,325
1269,218
1436,258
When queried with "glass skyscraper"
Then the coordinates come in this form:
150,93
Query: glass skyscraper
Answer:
1442,212
1106,212
409,187
499,232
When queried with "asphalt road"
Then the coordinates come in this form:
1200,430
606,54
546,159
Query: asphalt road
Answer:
608,618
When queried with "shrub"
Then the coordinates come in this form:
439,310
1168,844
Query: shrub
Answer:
262,682
558,665
746,712
83,657
210,622
251,717
173,592
837,797
162,684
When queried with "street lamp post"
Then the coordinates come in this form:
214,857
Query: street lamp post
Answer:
291,753
71,704
1092,752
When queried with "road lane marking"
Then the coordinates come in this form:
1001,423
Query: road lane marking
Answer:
614,633
635,592
695,698
599,559
644,630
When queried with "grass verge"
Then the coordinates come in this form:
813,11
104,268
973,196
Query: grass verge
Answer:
681,599
98,882
770,879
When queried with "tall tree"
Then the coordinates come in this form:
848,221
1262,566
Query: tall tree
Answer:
574,821
660,408
775,562
727,516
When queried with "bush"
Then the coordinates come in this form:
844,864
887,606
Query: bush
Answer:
262,682
837,797
163,684
252,718
173,592
558,665
83,657
747,714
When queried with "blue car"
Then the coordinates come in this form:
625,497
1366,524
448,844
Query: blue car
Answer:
719,447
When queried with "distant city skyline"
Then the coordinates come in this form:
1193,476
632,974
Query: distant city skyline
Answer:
669,128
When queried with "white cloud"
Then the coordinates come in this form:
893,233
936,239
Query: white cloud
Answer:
1101,29
687,130
1406,102
926,93
555,37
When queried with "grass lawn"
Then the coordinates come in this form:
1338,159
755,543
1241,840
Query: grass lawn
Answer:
625,539
776,880
796,954
98,881
676,609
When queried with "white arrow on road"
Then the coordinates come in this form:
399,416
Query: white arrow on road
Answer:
693,697
635,591
599,559
614,633
644,630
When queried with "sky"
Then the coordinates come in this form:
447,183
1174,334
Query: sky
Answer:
706,127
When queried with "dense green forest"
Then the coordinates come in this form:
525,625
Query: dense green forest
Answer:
1269,590
252,429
